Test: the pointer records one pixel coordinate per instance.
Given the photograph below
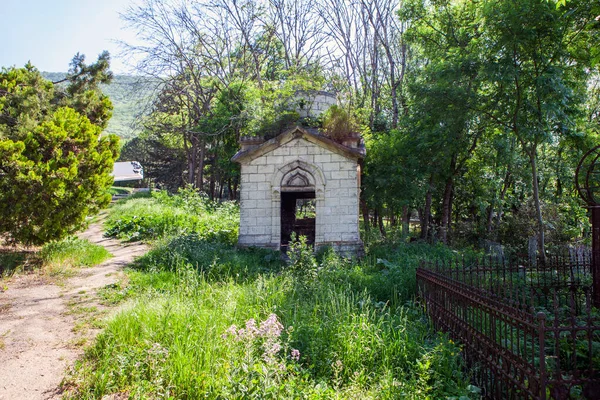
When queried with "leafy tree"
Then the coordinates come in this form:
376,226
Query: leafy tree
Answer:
54,166
443,93
535,79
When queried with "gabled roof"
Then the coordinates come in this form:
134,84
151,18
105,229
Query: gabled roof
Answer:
309,135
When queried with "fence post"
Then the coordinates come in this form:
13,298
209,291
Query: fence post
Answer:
541,317
595,267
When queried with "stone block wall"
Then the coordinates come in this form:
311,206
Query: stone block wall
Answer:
314,103
337,197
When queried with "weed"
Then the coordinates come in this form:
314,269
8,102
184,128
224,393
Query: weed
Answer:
79,342
63,257
206,320
163,215
2,341
303,264
114,293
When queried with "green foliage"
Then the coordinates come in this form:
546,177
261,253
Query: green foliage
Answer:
494,99
163,159
72,253
269,111
55,168
83,91
302,264
205,319
185,342
128,95
162,215
339,124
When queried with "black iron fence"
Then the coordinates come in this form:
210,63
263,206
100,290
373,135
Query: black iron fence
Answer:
528,330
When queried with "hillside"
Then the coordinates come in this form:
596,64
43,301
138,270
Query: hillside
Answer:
130,96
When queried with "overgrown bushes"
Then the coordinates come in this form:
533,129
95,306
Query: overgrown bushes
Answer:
159,215
269,337
207,320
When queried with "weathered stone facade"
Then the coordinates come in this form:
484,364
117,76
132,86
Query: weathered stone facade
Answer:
313,103
300,164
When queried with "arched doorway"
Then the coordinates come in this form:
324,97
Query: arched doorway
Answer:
298,215
297,200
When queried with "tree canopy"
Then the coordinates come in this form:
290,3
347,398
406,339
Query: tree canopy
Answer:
474,113
54,165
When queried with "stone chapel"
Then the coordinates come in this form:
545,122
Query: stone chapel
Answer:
300,181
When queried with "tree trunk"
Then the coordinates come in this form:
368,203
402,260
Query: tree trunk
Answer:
221,187
211,187
200,174
446,210
405,221
393,218
192,160
380,223
505,186
365,212
235,189
538,208
426,211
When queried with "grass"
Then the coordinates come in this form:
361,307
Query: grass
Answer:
202,319
63,258
117,190
150,216
58,259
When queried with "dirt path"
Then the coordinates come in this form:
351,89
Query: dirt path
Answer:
38,321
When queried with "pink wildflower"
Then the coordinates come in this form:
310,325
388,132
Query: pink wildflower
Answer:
295,355
271,327
231,331
251,329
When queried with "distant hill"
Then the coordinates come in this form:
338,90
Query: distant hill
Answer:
130,96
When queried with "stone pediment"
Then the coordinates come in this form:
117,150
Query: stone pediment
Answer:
313,136
297,180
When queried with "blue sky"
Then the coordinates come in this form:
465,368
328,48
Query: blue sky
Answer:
49,32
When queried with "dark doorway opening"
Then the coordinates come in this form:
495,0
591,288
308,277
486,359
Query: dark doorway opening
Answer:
298,214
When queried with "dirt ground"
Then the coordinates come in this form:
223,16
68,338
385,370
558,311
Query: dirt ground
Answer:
41,332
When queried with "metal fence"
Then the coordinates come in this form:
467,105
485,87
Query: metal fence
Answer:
528,330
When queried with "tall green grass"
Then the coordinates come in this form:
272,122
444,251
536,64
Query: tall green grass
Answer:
174,343
64,256
206,320
59,258
157,215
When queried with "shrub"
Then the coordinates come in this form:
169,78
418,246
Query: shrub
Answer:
302,265
162,215
339,124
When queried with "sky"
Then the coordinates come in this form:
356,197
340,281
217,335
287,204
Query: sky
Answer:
50,32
